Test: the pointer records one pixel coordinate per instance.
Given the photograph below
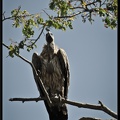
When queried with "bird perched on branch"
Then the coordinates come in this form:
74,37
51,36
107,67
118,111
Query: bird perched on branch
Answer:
53,68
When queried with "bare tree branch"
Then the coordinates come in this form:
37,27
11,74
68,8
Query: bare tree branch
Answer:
26,99
77,104
89,118
107,110
94,107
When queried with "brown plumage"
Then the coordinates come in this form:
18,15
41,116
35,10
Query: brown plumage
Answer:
53,68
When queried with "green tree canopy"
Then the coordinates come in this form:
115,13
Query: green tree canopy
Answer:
65,12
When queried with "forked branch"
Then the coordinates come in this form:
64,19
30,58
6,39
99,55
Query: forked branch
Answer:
101,106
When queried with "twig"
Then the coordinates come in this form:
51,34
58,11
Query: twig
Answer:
47,14
39,81
69,15
26,99
107,110
89,118
78,13
13,17
103,2
95,107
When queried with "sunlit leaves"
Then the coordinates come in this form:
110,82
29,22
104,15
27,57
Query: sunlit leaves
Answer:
55,24
110,22
83,3
59,24
26,21
106,9
21,44
13,49
107,17
61,7
28,31
65,13
65,10
52,5
18,16
102,12
39,20
110,18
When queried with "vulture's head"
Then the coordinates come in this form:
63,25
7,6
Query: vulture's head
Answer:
50,39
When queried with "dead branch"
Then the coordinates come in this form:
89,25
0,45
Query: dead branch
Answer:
89,118
101,107
26,99
94,107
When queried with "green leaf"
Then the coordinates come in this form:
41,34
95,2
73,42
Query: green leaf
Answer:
107,21
40,20
63,28
52,5
11,53
29,48
16,23
49,23
70,26
21,45
102,12
16,49
28,31
11,47
13,12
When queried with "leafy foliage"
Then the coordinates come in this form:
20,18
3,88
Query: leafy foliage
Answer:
66,11
13,50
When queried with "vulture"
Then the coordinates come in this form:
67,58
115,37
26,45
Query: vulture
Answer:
53,69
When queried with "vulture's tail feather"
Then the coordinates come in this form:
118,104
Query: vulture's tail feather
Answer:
57,112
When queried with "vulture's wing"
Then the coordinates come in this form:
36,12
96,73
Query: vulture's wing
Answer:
37,64
64,63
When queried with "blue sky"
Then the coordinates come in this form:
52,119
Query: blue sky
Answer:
92,53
